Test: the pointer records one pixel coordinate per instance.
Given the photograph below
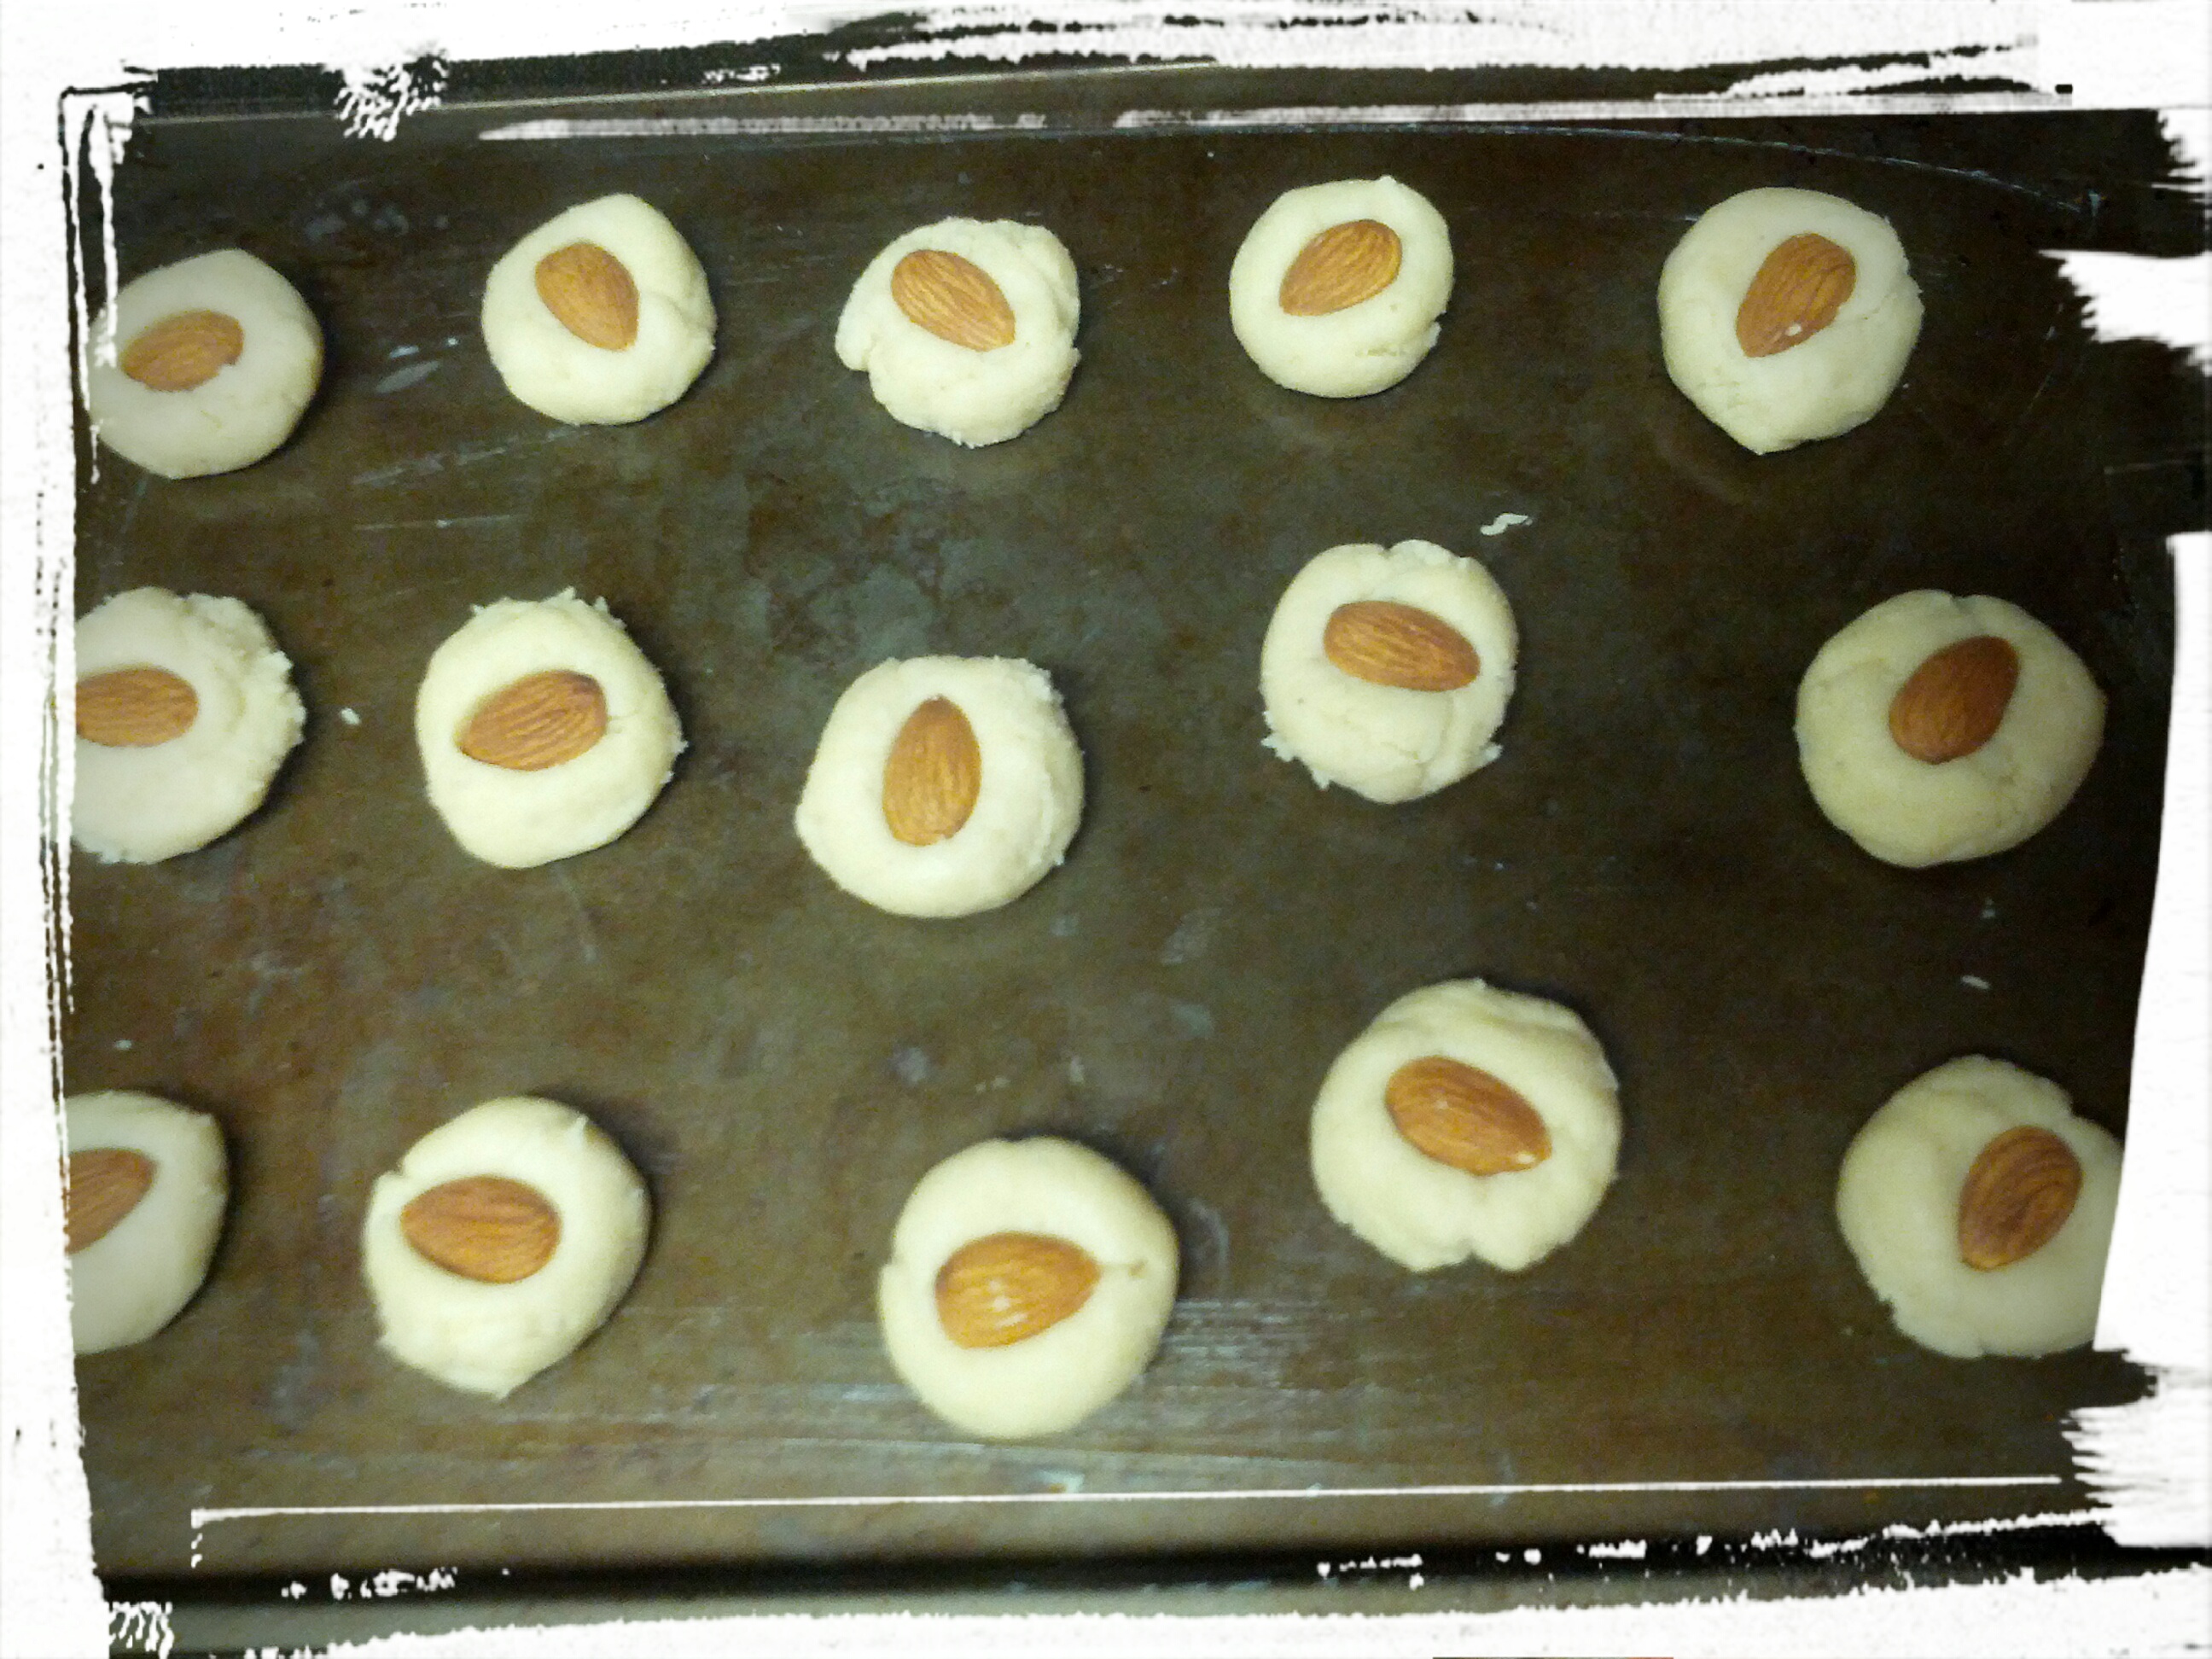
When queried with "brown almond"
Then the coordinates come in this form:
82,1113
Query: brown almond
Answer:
184,350
590,293
1461,1115
1387,643
934,775
135,708
105,1185
539,720
1000,1289
2017,1195
954,299
1339,267
1796,294
487,1228
1956,700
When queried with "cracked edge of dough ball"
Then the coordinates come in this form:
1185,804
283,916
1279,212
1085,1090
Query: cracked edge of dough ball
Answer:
1380,741
130,1283
519,820
1365,347
974,398
1897,1205
1027,813
490,1338
242,413
1915,813
546,365
1828,384
141,806
1424,1214
1050,1382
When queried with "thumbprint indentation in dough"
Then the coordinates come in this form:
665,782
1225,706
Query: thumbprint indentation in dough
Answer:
1953,702
1461,1115
135,708
1795,293
2017,1195
955,299
1004,1288
105,1185
590,293
185,349
934,775
1387,643
1339,267
538,721
487,1228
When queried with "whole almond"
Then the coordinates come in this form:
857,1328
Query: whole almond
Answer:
1461,1115
590,293
1956,700
183,350
487,1228
135,708
105,1185
539,720
1387,643
1339,267
954,299
1000,1289
2017,1195
1796,294
934,775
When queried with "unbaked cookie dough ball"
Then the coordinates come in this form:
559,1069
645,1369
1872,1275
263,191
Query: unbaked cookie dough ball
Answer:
943,786
1936,728
1980,1209
504,1238
965,328
1338,287
185,710
1027,1284
600,315
1468,1120
544,730
1388,670
1786,315
203,366
147,1184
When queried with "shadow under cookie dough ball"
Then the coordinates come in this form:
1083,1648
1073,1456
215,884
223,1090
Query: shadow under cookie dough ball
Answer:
203,366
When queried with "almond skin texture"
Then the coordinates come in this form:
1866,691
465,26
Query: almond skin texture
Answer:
135,708
1002,1288
1460,1115
592,293
1387,643
954,299
184,350
2016,1197
539,720
1797,292
934,775
1956,700
105,1185
1340,267
487,1228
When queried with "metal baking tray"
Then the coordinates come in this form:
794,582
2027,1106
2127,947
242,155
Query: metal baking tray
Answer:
336,976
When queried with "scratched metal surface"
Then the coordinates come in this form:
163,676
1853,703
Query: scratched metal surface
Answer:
336,977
